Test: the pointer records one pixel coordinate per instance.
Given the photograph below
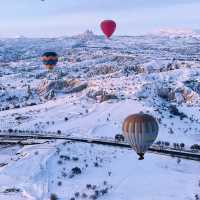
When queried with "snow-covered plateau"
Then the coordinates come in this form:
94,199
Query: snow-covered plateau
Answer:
96,84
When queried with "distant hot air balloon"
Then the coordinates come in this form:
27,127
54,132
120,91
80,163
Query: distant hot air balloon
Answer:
49,60
140,130
108,27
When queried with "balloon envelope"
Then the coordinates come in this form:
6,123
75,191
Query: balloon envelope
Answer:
140,130
49,59
108,27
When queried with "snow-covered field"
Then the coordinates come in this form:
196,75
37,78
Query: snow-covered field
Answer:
39,171
96,84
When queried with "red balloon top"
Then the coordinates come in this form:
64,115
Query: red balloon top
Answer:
108,27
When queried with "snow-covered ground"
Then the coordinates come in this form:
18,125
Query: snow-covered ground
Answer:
42,170
96,84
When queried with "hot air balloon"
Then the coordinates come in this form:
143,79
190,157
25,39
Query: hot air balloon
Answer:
140,130
49,60
108,27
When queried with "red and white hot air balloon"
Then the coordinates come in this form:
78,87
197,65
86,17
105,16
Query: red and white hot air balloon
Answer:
108,27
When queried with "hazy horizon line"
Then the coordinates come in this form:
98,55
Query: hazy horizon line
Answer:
153,32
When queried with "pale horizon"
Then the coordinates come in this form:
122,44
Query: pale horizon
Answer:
35,18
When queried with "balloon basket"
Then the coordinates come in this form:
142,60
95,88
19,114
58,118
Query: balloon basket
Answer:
141,156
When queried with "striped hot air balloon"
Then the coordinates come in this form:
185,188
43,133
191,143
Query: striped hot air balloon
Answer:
49,60
140,130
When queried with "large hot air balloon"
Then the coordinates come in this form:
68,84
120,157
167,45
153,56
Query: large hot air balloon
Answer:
140,130
108,27
49,60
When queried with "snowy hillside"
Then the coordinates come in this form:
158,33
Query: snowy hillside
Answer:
95,85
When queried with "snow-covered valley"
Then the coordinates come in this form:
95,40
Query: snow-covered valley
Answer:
96,84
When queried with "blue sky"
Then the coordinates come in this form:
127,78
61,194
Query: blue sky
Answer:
35,18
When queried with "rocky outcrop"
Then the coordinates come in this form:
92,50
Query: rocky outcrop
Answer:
102,70
74,87
100,95
49,88
50,85
178,95
166,93
184,95
194,85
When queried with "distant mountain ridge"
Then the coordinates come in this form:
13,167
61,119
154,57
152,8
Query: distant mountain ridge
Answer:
176,32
